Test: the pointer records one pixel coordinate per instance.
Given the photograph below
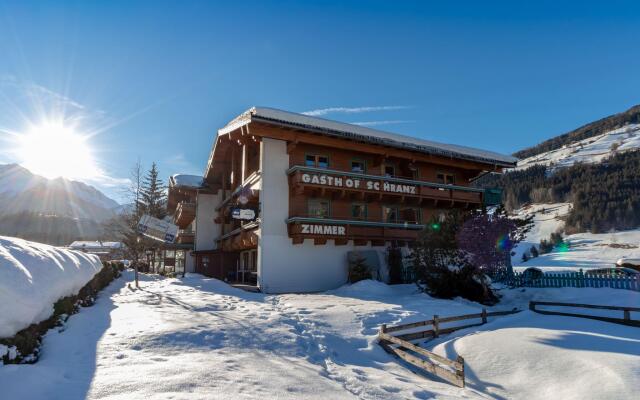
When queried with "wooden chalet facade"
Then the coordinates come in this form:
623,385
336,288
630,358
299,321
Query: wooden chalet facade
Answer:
287,196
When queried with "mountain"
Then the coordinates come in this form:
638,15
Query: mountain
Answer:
54,211
596,128
596,168
586,151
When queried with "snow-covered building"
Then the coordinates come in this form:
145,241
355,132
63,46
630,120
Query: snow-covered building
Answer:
104,250
285,197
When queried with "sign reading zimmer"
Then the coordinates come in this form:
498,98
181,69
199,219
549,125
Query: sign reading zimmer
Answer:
332,230
356,183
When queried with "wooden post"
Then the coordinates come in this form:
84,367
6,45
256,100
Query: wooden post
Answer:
627,315
383,328
484,315
532,306
460,372
436,326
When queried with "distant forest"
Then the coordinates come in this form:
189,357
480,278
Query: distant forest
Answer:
631,116
605,195
54,230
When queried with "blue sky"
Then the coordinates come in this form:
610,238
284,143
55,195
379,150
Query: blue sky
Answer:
155,80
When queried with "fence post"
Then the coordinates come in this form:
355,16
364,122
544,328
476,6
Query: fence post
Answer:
532,305
627,315
436,326
460,372
383,329
484,315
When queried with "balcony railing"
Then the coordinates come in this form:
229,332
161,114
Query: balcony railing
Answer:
185,213
329,179
362,231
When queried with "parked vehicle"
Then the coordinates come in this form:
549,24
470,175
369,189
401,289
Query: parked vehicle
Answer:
633,263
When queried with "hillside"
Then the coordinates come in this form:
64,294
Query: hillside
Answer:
587,151
596,128
54,211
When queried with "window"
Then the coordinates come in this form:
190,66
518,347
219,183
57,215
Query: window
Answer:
319,208
389,170
445,179
415,173
411,215
389,214
314,160
358,166
323,162
359,211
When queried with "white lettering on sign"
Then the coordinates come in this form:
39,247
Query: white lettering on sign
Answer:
331,230
328,180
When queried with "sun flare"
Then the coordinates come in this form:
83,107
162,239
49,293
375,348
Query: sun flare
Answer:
52,149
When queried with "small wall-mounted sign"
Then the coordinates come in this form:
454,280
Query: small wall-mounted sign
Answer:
329,230
245,214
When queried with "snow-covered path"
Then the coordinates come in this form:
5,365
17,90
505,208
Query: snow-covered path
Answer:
198,338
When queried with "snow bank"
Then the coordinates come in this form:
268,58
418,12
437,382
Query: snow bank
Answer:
33,276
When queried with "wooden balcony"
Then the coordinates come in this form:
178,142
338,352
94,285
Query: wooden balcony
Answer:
241,238
341,230
185,237
185,214
373,187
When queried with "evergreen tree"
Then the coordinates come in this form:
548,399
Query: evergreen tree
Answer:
154,197
534,252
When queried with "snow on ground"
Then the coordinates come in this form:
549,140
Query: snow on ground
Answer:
33,276
590,150
586,250
198,338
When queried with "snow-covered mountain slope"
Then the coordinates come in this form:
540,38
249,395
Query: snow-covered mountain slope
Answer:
590,150
21,191
585,250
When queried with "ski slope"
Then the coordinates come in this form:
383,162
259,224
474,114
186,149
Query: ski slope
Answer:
586,250
198,338
591,150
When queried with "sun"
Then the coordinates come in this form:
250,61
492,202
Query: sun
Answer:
53,149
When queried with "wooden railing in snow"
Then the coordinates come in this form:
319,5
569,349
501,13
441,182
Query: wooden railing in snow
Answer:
400,345
625,320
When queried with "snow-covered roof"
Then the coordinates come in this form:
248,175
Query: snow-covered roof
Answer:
187,181
357,132
82,244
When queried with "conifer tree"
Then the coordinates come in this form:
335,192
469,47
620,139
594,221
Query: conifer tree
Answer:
154,197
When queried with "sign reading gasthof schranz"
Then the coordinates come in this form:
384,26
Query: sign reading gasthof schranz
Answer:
356,183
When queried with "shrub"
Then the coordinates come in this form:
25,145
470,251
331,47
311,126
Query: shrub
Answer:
28,340
358,269
534,252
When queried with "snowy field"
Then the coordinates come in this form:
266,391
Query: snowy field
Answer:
198,338
33,276
586,250
590,150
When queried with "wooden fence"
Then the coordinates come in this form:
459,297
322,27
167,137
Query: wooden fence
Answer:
625,320
449,370
574,279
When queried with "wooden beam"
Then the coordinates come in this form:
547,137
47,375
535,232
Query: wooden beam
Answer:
341,242
319,242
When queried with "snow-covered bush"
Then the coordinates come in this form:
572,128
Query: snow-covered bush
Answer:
34,276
